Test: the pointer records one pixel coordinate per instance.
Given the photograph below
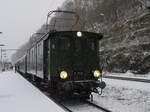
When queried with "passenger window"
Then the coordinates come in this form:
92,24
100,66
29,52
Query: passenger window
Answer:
38,50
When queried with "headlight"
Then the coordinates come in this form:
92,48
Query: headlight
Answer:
63,75
79,34
97,73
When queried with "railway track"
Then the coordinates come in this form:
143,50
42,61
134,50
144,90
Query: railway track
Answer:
97,106
101,109
128,78
60,103
67,109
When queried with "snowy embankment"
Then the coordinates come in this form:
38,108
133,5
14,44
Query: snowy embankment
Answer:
125,96
119,96
128,74
18,95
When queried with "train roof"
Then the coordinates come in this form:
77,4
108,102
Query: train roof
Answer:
85,34
62,20
82,34
71,33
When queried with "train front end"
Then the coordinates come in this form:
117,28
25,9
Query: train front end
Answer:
75,60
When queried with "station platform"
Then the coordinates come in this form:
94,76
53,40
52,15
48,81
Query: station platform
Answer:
19,95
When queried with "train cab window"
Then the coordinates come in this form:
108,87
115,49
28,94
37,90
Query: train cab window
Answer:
78,45
64,44
53,46
91,44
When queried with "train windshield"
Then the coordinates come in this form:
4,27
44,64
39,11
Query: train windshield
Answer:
64,44
85,44
91,44
78,45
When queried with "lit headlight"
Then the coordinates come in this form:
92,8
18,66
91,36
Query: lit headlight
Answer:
96,73
79,34
63,75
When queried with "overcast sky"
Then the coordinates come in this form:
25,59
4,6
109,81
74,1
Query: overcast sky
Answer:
19,19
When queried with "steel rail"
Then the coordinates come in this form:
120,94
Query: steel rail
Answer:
61,105
97,106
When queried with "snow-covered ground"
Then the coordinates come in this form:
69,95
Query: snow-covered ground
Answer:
125,96
120,96
128,74
18,95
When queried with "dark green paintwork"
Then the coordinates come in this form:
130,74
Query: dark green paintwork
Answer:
79,63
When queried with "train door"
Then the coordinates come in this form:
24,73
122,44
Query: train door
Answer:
46,58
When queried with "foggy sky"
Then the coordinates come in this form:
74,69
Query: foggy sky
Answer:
19,19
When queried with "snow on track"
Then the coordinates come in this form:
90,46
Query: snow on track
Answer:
128,84
124,96
80,106
18,95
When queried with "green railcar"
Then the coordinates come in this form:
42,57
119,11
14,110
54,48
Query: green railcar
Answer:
71,62
67,61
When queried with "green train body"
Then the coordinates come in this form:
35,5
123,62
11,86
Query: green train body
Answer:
67,61
64,51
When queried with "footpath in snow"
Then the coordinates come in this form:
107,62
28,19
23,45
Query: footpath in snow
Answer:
18,95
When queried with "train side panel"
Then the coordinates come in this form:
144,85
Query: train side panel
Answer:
32,59
40,71
28,61
21,65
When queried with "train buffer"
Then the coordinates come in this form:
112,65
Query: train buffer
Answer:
18,95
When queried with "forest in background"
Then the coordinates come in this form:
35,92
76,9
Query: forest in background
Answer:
125,25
